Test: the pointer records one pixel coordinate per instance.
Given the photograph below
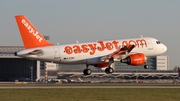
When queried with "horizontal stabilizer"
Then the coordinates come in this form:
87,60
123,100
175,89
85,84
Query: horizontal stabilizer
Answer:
36,52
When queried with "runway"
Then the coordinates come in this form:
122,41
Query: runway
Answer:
90,87
14,86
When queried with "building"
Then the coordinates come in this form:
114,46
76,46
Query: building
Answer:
14,68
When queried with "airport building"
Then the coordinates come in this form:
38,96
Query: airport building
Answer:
15,68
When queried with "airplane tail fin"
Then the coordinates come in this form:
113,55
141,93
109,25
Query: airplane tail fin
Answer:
31,37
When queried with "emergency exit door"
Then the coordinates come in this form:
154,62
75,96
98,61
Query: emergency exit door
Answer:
56,53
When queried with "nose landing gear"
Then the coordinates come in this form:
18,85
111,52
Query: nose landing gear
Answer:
146,67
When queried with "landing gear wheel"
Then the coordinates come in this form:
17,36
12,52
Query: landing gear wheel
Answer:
146,67
109,70
87,71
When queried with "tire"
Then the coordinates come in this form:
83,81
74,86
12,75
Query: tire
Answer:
87,71
146,67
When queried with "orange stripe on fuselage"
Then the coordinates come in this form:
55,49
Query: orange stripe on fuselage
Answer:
91,48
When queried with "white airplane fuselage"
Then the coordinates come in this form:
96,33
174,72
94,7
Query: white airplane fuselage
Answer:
91,52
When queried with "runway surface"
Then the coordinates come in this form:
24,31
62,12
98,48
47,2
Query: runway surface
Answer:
91,87
4,86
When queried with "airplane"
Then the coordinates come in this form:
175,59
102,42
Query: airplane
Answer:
100,54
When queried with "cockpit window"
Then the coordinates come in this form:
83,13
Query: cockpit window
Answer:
158,42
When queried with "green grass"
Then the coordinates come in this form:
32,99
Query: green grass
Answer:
91,94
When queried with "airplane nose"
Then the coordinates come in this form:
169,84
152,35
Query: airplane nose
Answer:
164,48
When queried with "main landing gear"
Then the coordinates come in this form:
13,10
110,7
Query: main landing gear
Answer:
108,70
87,71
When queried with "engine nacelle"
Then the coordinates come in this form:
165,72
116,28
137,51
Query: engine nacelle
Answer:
135,59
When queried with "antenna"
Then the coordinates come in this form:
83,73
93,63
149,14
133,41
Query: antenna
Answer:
77,41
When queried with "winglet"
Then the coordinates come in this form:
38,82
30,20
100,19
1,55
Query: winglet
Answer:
30,35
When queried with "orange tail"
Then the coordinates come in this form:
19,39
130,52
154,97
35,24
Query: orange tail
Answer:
29,34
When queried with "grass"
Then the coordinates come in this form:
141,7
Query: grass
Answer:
91,94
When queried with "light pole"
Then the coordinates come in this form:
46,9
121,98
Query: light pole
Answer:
46,73
31,73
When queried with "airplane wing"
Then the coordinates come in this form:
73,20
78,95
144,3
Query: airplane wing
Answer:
122,51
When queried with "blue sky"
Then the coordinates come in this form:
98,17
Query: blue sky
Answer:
66,21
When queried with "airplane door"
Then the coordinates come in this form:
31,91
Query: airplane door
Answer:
57,53
150,44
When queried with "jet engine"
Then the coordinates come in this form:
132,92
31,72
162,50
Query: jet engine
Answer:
135,59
